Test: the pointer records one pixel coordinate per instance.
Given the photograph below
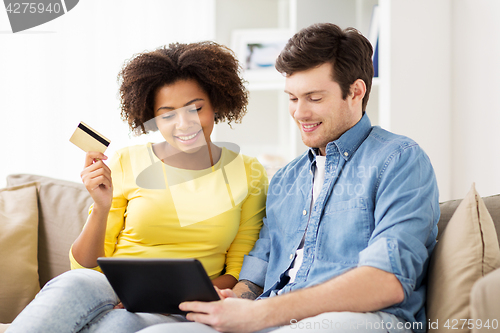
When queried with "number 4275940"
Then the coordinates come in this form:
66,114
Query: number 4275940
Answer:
455,324
33,7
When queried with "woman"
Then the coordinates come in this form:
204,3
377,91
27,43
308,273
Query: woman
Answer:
185,197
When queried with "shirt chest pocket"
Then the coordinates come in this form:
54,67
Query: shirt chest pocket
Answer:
344,231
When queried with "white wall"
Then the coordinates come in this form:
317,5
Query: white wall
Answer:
63,72
417,62
444,65
476,96
443,59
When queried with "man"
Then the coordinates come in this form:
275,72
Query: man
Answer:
350,224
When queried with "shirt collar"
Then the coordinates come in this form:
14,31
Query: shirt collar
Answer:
348,142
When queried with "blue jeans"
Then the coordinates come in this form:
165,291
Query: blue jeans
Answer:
81,301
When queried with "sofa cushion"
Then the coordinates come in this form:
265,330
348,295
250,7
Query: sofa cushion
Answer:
63,207
484,304
18,239
466,250
448,208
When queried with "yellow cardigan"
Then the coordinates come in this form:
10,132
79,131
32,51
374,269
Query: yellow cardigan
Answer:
159,211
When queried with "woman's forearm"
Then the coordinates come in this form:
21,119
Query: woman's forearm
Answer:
90,243
225,281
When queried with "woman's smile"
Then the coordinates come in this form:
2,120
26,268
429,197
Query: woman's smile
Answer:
188,139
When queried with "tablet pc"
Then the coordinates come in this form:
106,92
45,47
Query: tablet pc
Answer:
157,285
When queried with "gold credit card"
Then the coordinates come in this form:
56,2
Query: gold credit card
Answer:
88,139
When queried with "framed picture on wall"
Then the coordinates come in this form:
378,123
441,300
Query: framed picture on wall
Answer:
257,50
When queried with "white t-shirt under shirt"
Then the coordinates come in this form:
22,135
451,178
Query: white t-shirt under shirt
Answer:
319,178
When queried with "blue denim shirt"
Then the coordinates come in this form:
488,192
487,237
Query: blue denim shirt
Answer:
378,207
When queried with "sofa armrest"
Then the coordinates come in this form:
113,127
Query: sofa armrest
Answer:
485,300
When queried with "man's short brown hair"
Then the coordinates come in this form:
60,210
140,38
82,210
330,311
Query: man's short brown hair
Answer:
349,52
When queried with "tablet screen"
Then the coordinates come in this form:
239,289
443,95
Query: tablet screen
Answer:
157,285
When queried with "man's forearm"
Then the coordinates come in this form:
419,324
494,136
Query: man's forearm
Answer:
363,289
247,289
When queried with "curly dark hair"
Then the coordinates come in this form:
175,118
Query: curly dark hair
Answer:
212,65
347,50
